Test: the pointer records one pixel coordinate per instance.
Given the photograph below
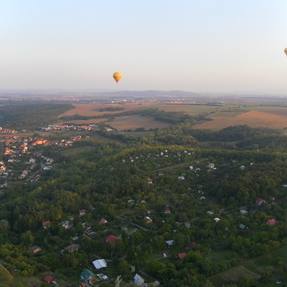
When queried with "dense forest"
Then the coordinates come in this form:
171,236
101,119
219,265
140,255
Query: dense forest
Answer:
30,115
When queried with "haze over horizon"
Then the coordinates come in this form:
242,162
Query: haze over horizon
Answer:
211,46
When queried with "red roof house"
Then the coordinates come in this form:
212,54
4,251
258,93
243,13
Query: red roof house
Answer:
112,239
49,279
271,221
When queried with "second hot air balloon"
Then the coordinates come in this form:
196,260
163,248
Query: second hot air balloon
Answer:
117,76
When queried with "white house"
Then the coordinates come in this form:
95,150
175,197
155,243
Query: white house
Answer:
138,280
100,263
169,242
216,219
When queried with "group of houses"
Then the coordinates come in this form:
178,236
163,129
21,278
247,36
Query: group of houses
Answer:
95,273
196,168
69,127
22,153
22,161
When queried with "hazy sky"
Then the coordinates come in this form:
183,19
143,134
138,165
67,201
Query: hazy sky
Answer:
197,45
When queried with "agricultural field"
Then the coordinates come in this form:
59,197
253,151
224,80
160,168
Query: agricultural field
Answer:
214,117
125,116
189,109
277,110
104,110
121,116
255,119
133,122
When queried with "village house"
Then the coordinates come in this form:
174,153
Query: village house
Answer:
138,280
24,174
7,131
169,242
211,165
242,226
66,224
243,211
87,278
102,276
131,202
40,142
82,212
100,264
24,148
148,220
167,210
182,255
149,181
32,161
46,167
271,221
72,248
36,250
8,151
216,219
4,185
49,279
68,143
49,160
46,224
112,239
89,232
2,167
103,221
260,201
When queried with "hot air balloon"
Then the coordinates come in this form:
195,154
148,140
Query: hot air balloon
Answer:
117,76
285,51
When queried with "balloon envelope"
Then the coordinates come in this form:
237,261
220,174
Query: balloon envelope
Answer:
285,51
117,76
